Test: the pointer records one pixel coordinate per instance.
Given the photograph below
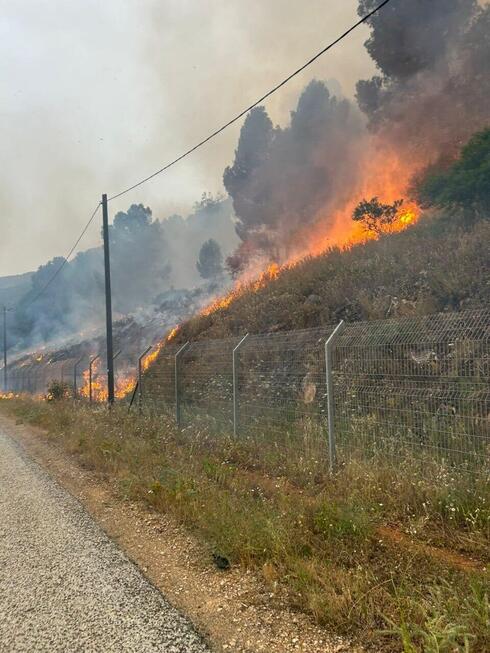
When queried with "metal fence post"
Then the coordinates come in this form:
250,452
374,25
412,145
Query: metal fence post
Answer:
177,394
235,384
140,378
330,393
91,362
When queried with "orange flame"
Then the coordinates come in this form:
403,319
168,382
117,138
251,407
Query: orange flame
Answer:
99,388
124,385
272,272
386,175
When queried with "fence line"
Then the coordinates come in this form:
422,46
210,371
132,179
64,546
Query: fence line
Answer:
416,387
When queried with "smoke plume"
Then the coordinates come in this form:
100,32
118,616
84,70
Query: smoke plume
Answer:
294,188
281,177
432,90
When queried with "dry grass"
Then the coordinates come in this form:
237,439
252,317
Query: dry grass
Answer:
436,265
275,509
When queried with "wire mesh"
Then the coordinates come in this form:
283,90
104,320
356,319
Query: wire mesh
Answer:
416,387
206,382
34,378
125,376
413,387
281,382
158,382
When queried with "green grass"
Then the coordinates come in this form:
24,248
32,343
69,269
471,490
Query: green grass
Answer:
276,510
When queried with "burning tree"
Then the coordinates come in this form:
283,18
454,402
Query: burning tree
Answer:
375,216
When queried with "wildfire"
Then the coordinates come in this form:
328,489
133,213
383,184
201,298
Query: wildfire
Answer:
387,174
173,332
124,385
99,388
270,274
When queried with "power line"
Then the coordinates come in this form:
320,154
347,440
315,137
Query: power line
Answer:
207,139
261,99
65,261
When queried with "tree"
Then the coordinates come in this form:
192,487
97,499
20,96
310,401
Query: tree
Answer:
210,262
465,184
375,216
139,258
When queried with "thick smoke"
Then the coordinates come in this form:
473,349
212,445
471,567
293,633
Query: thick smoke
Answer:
432,91
430,96
282,177
211,218
149,257
139,251
290,184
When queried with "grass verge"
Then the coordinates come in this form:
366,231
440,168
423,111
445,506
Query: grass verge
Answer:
275,509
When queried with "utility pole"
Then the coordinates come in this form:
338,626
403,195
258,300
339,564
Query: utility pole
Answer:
5,349
108,303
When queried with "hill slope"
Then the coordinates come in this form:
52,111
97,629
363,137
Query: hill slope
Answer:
436,265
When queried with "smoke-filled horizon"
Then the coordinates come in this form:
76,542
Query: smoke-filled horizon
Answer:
292,187
96,95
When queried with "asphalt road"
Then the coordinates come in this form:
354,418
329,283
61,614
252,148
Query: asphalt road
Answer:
64,586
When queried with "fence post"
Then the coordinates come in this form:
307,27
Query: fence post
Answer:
235,384
140,378
75,377
330,393
177,394
91,362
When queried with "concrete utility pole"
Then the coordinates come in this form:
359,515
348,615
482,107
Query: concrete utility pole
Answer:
5,380
108,303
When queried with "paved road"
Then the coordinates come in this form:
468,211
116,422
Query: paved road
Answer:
64,586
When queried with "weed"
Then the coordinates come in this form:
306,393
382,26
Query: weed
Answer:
277,510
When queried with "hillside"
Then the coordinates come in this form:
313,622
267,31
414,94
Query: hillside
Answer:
437,265
14,287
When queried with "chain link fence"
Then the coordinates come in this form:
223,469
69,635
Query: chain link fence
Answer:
412,387
418,387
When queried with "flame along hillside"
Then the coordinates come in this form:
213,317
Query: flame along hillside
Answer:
426,261
430,259
432,266
125,381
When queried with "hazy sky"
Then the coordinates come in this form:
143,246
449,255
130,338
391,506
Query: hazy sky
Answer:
95,95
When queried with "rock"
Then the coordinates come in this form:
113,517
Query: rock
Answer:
221,562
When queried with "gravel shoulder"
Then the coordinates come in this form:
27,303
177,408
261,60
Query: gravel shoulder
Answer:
234,610
65,586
